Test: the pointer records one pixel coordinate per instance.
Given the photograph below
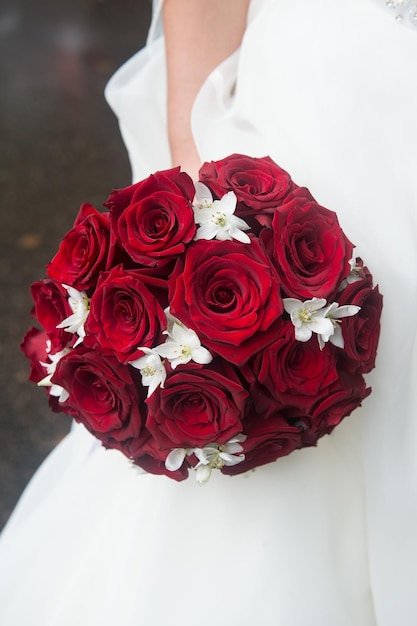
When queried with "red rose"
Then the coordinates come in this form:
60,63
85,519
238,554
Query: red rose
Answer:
267,440
341,398
260,184
345,395
226,292
197,406
310,250
102,394
83,252
361,331
331,407
154,219
295,371
124,315
313,420
51,308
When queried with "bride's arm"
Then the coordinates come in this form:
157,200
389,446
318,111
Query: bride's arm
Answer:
199,35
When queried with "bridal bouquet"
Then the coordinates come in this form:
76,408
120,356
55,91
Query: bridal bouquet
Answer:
215,325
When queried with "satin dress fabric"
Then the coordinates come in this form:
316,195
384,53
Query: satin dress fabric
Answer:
326,536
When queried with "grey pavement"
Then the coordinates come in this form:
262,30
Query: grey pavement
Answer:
59,146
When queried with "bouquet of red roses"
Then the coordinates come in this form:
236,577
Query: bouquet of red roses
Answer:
215,325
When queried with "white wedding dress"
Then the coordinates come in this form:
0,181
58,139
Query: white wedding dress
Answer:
326,536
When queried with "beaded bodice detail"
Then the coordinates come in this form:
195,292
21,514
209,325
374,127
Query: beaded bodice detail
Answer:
405,11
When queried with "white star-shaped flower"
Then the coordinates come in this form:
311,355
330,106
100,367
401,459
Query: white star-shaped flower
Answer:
152,369
171,320
353,276
80,307
309,317
216,217
215,456
55,390
335,313
176,457
182,346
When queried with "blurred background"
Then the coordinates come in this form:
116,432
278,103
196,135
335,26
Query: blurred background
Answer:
59,146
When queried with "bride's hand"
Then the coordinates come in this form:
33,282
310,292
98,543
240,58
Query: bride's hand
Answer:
199,34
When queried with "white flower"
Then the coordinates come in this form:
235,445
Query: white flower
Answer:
216,217
309,317
55,390
202,200
171,320
215,456
353,276
80,307
335,313
151,368
202,474
176,457
182,346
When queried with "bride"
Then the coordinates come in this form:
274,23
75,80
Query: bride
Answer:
328,535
